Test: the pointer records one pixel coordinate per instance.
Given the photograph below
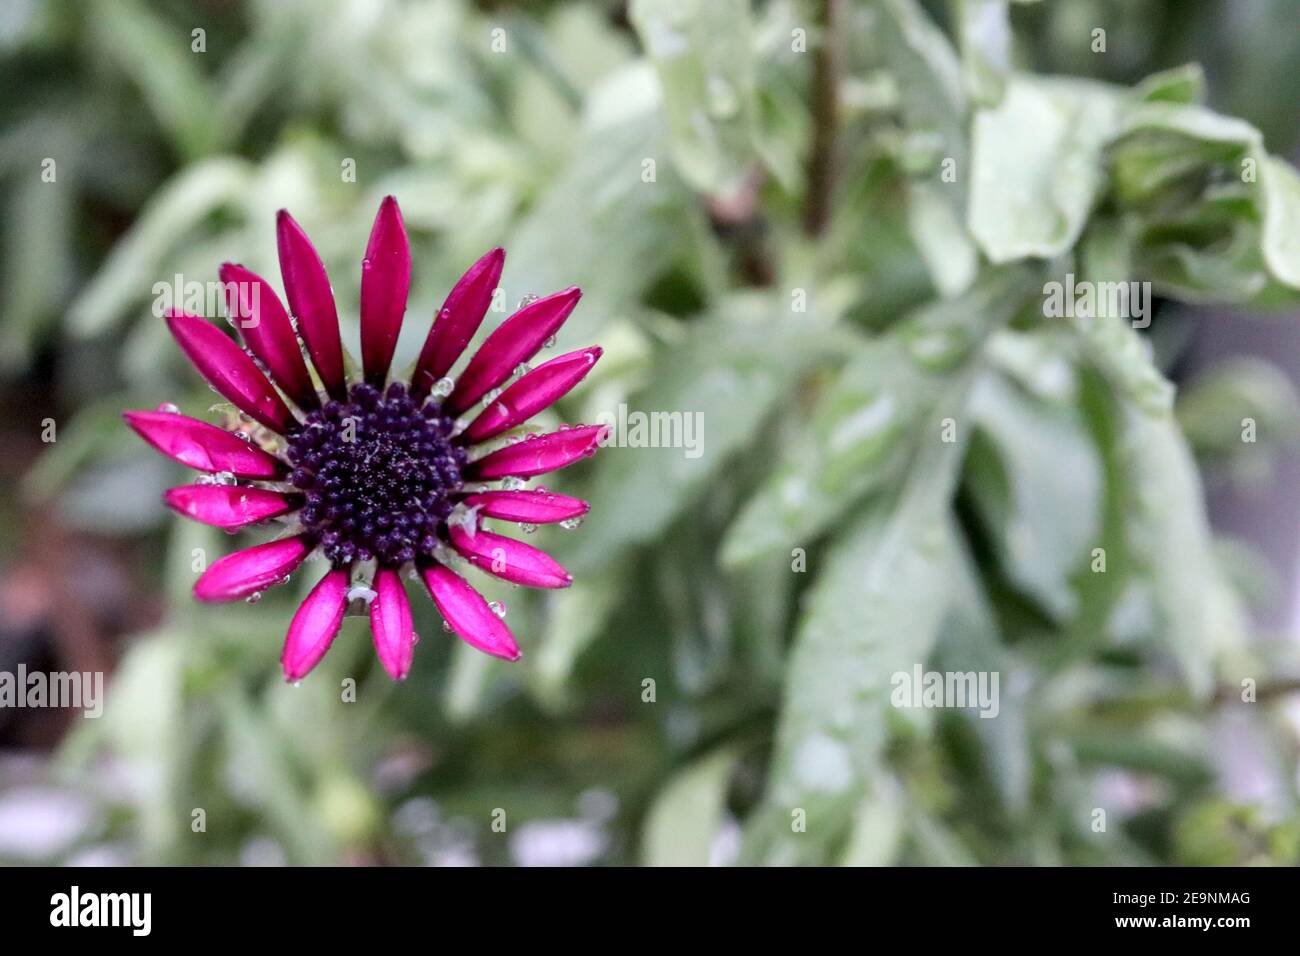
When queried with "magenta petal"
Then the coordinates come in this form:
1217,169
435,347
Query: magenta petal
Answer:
515,340
312,302
390,623
530,507
467,614
509,559
536,390
230,370
259,315
457,321
202,446
536,456
227,506
253,569
385,282
315,625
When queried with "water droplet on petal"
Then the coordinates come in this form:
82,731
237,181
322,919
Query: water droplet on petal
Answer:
169,408
527,300
498,608
253,598
443,387
527,527
549,343
568,524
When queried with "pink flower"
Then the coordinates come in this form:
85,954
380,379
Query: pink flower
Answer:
374,472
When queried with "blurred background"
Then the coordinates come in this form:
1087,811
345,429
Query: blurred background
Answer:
750,196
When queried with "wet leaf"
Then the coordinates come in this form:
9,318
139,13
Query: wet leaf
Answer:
703,52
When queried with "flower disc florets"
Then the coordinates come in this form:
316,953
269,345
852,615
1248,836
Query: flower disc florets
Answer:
379,473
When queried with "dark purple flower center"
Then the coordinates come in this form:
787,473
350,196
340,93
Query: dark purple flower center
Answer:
380,475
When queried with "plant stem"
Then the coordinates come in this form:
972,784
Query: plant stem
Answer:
825,107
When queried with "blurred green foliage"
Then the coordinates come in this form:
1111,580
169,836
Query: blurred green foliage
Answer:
657,154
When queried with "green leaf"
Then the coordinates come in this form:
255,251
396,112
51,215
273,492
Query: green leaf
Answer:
984,33
576,616
36,266
137,261
718,386
1119,352
144,726
1037,165
928,74
685,818
867,424
1040,495
1182,84
877,826
703,52
1161,146
1168,535
1280,196
161,63
1213,407
257,755
568,236
874,610
936,226
1219,213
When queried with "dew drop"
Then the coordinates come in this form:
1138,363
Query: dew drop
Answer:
549,343
446,627
443,387
253,598
528,299
169,408
523,368
527,527
512,483
498,608
568,524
